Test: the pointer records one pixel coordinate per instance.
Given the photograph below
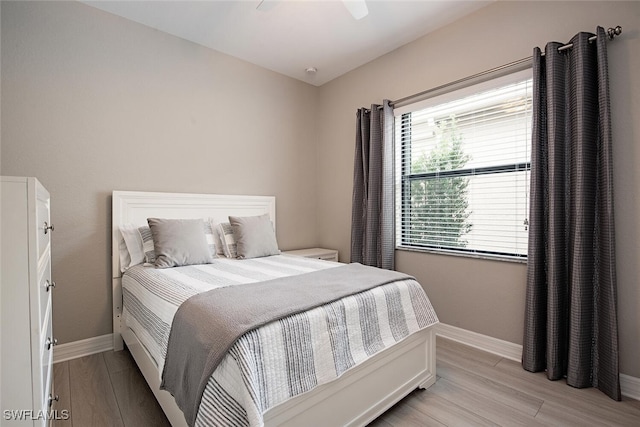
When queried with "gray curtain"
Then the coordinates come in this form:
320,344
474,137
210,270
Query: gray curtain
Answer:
571,316
372,232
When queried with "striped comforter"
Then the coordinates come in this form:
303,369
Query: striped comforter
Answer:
283,358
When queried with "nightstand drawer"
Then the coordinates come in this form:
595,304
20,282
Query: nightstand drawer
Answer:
319,253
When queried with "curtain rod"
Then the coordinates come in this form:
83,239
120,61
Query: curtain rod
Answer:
515,66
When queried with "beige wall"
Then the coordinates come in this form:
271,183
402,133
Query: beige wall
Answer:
479,295
93,103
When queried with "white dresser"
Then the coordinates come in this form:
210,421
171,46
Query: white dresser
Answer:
26,339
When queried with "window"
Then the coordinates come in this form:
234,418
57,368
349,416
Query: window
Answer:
462,170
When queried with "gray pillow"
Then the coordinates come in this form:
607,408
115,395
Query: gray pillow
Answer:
179,242
254,236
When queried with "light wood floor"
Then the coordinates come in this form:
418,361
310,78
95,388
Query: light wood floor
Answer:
474,388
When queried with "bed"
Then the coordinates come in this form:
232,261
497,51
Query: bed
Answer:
399,368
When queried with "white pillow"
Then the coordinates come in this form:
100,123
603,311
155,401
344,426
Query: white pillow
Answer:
125,258
133,242
212,238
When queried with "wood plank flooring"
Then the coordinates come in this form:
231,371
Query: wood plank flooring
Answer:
105,389
474,388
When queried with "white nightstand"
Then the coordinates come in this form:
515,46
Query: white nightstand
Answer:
320,253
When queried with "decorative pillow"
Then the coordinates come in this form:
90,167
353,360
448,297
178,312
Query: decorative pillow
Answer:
228,242
140,243
147,244
219,251
254,236
133,243
179,242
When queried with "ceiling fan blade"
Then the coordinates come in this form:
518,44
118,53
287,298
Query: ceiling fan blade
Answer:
357,8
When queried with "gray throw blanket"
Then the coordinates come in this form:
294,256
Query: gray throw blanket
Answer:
207,325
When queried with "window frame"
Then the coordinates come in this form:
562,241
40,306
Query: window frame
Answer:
402,180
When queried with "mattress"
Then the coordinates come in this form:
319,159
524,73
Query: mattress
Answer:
284,358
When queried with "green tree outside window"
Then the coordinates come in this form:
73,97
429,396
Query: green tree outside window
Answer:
439,206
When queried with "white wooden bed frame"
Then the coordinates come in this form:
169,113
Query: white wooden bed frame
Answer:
356,398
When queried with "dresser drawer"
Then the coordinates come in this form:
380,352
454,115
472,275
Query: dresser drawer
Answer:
43,385
45,288
43,224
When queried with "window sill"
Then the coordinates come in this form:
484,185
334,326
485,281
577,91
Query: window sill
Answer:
517,260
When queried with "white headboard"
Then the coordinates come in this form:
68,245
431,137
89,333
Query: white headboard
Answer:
134,207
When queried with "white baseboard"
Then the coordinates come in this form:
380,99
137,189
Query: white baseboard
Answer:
76,349
629,386
506,349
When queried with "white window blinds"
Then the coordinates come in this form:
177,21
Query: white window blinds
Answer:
462,167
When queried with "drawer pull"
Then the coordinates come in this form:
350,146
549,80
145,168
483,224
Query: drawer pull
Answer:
53,399
47,227
50,343
49,285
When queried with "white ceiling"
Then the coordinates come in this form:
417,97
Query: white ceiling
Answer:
289,36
